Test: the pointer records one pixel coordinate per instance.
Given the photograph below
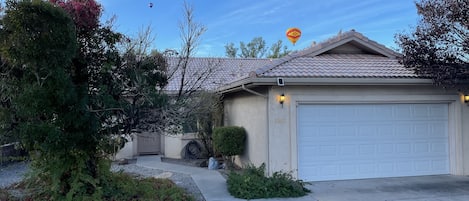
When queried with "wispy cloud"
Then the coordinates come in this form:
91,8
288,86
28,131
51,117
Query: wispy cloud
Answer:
260,12
241,20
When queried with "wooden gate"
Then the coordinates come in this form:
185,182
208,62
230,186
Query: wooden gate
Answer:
148,143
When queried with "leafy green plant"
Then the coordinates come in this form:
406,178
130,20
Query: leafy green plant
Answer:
118,186
252,183
125,187
65,88
229,141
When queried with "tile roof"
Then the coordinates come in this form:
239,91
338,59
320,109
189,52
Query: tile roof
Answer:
340,66
221,71
370,60
347,55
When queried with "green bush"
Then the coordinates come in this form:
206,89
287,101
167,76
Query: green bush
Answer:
118,186
252,183
125,187
229,140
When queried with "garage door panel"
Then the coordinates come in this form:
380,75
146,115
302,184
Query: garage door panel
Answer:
371,150
374,169
438,127
440,165
368,141
438,147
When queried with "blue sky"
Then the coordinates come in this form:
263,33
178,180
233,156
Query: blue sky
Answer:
241,20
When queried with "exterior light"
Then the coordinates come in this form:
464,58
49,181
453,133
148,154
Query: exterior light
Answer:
466,98
281,99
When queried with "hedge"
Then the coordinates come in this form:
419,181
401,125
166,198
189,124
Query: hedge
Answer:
229,140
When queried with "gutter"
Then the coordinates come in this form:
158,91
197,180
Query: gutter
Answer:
272,81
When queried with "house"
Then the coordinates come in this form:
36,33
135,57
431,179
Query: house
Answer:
342,109
347,109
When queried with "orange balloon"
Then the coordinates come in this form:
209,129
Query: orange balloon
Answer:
293,34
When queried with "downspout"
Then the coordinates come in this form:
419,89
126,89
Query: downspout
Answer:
252,91
269,171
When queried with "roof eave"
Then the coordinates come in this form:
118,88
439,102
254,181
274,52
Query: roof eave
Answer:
272,81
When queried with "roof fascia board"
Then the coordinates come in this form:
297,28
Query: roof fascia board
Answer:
377,48
356,81
272,81
328,47
367,44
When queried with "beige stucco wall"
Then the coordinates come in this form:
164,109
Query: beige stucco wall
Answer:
171,146
249,111
174,144
282,120
465,134
129,150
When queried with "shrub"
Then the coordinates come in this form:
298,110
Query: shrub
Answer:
252,183
125,187
5,195
10,153
118,186
229,140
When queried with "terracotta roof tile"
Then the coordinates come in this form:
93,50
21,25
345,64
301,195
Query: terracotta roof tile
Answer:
369,59
347,55
341,65
221,71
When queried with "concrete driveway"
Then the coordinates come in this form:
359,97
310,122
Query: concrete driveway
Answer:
423,188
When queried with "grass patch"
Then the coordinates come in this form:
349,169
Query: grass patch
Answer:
252,183
120,186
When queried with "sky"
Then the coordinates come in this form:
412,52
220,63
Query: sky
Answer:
241,20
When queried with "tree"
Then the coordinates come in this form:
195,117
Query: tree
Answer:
48,107
256,48
140,76
7,120
231,50
187,99
191,106
438,48
190,33
66,90
278,50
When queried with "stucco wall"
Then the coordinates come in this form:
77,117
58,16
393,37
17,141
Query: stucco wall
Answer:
129,150
465,134
282,120
174,144
249,111
171,146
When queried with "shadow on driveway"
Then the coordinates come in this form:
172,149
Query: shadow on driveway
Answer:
422,188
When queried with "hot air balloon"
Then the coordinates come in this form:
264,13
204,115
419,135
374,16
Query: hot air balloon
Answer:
293,34
150,5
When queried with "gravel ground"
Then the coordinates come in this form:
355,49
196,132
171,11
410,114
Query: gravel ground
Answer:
13,173
182,180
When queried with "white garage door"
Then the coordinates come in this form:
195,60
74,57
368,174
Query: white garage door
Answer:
337,142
